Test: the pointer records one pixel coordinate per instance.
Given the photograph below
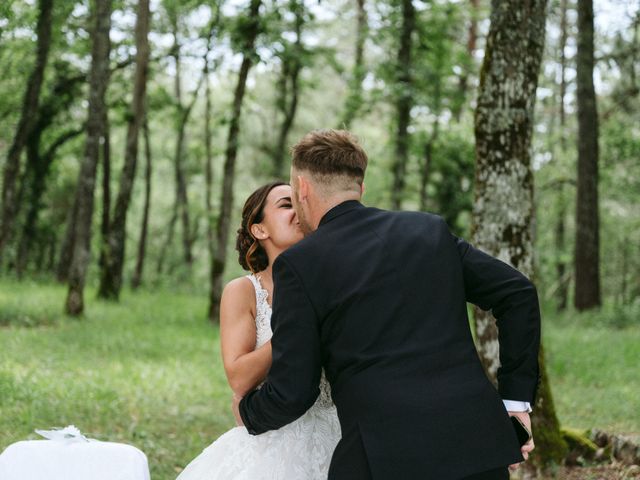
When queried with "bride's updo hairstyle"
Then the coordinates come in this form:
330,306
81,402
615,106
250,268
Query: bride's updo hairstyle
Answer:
251,255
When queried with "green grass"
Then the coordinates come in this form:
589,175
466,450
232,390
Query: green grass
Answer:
593,361
147,371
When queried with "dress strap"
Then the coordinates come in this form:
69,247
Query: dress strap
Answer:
261,293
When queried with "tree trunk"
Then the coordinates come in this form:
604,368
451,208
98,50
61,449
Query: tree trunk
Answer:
404,102
354,99
587,246
40,167
226,199
25,124
68,245
472,40
504,208
288,103
562,294
98,80
106,193
137,274
209,164
111,275
428,162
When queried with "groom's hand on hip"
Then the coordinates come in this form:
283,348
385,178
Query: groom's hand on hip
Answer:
528,447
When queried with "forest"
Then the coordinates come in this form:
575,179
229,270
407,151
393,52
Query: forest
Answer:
132,131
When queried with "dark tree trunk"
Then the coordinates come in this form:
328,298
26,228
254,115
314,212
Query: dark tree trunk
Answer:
226,199
289,91
472,40
181,205
587,245
68,244
427,165
562,294
504,208
25,124
111,275
142,246
106,193
40,167
403,103
209,164
354,100
98,81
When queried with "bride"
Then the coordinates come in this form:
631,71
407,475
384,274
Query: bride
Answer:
301,450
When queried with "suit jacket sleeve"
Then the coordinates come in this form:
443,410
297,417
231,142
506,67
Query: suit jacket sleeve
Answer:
291,386
512,299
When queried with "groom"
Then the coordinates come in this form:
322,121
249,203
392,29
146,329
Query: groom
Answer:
378,299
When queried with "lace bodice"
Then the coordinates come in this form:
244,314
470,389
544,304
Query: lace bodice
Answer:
264,333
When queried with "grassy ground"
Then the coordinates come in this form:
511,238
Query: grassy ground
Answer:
147,371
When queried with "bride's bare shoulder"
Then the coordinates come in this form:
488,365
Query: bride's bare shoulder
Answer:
238,290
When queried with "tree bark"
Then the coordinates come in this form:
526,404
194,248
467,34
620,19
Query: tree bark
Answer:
289,88
40,167
226,200
562,294
98,80
404,102
106,193
504,208
68,245
111,274
25,124
587,243
472,40
354,99
136,281
209,163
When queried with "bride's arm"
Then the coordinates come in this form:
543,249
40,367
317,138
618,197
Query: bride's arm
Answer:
244,365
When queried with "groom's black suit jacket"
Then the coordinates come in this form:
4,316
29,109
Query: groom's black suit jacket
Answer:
378,299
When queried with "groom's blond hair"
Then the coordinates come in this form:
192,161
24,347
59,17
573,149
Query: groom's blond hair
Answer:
333,158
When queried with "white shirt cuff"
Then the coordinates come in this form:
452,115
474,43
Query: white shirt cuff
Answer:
516,406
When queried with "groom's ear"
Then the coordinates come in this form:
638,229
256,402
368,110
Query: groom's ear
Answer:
303,188
362,189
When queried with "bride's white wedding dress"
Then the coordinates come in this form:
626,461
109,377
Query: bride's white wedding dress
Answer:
299,451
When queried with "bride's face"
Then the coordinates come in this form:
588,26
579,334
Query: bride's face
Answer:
280,223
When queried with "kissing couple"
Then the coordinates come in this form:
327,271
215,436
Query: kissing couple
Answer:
348,346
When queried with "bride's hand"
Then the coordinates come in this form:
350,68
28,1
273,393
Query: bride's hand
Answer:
235,406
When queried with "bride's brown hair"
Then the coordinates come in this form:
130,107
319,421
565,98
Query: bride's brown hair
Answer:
251,255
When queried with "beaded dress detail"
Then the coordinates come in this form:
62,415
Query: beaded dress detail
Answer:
300,450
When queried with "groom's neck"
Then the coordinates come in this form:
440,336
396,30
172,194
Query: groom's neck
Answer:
323,205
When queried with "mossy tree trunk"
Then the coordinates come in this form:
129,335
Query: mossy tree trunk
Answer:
504,208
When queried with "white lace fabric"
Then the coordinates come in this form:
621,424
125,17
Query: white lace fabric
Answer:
300,450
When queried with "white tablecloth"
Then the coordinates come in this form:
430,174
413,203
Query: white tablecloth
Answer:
52,460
